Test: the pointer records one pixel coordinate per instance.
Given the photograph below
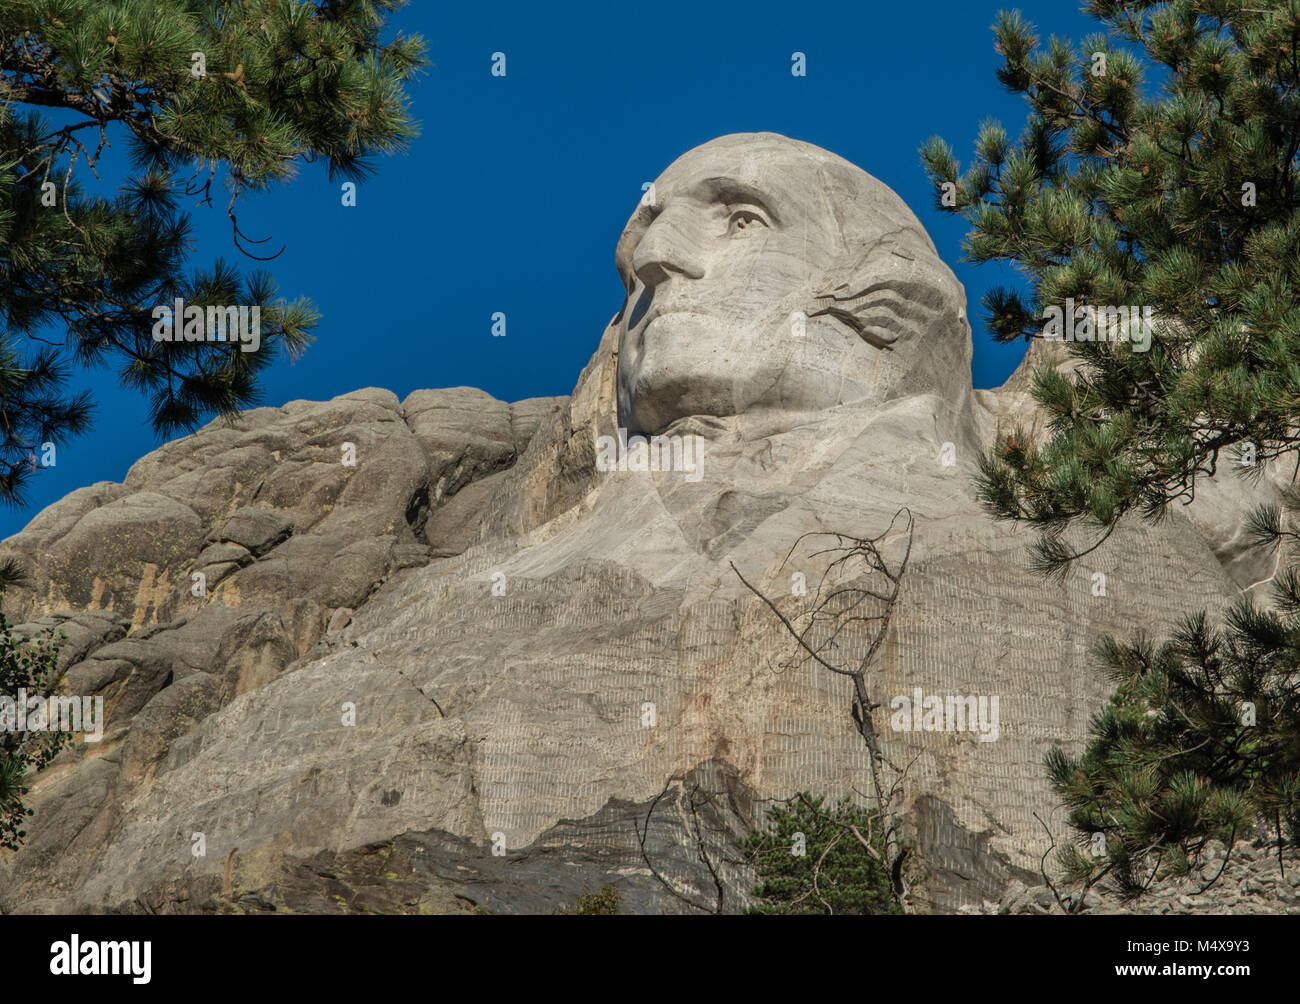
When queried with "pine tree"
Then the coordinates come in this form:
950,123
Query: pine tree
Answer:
1200,741
29,666
1157,169
603,903
811,859
205,93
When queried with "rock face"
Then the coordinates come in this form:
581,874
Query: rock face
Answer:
1250,881
479,669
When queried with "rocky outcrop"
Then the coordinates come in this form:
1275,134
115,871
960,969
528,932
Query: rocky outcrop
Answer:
1254,880
430,655
519,714
220,562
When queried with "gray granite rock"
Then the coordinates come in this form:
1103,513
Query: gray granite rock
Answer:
484,657
1253,881
251,529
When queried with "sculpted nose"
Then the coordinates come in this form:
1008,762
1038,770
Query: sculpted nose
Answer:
670,247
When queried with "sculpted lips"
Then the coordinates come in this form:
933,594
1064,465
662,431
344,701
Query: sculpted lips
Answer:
640,322
655,315
653,330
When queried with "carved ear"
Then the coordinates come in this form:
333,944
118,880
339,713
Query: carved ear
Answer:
885,296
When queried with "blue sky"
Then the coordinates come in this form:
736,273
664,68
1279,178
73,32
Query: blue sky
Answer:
515,193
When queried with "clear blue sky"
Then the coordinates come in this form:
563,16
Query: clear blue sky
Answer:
515,193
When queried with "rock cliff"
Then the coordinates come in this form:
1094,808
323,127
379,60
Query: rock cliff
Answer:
428,655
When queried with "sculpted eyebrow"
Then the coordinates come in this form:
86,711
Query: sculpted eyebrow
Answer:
729,190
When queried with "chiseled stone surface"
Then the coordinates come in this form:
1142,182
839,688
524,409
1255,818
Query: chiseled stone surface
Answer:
1252,881
501,614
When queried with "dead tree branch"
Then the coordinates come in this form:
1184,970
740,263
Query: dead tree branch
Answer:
859,592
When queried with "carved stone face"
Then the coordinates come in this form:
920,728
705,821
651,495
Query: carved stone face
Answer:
768,275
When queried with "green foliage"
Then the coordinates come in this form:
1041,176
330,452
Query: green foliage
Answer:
1131,186
283,82
597,904
835,874
1200,741
32,666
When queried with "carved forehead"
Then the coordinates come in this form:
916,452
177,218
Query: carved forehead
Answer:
797,182
774,165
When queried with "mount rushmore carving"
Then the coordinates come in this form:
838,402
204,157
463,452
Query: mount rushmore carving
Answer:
480,668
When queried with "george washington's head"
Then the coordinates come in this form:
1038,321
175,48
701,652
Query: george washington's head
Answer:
766,274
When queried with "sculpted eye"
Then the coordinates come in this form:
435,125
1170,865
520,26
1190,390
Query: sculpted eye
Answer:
744,219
